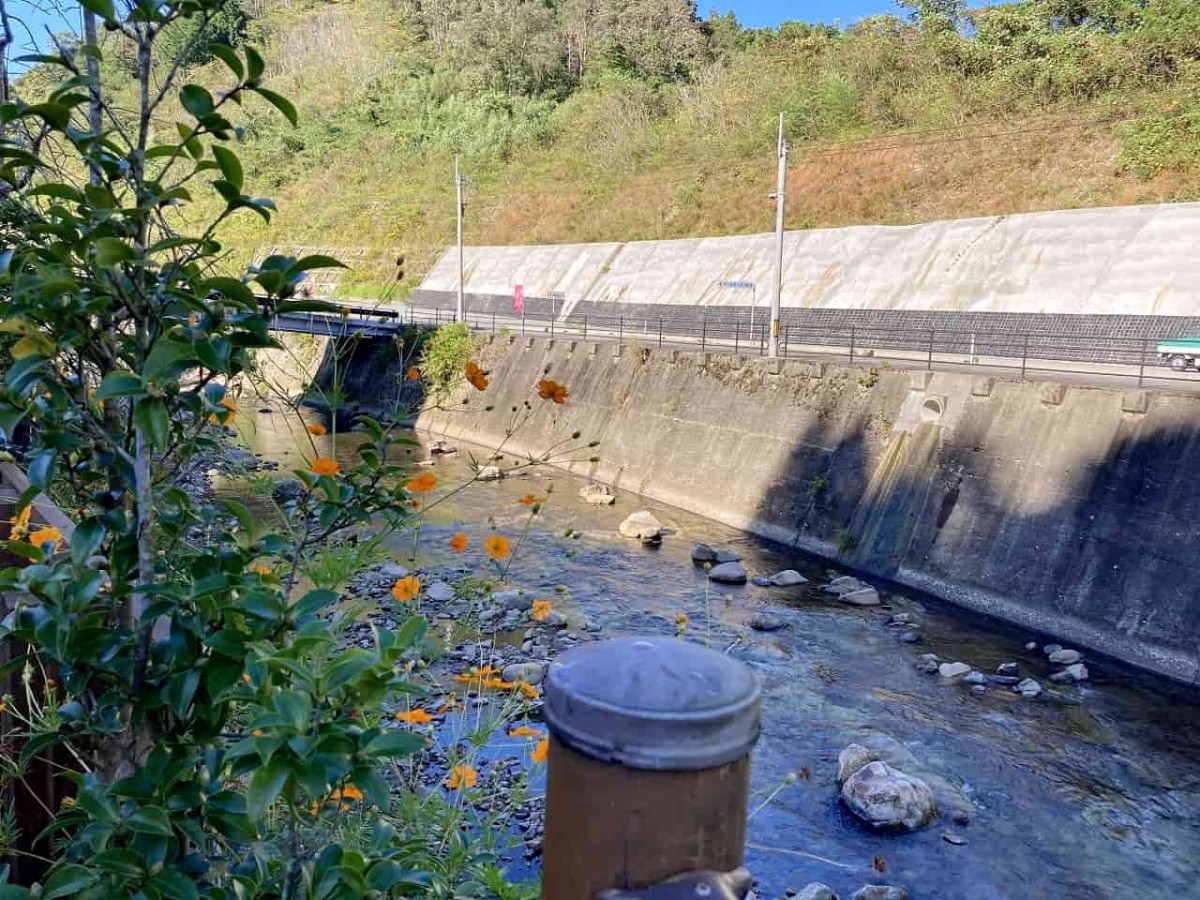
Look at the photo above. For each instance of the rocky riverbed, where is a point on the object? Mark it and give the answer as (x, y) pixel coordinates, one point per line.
(1065, 782)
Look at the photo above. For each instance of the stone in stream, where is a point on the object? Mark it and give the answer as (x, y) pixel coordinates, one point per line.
(910, 637)
(597, 494)
(928, 663)
(641, 526)
(953, 670)
(1008, 669)
(766, 622)
(880, 892)
(816, 891)
(287, 489)
(787, 578)
(1032, 645)
(1065, 657)
(852, 758)
(518, 600)
(702, 553)
(885, 797)
(489, 473)
(864, 596)
(760, 581)
(394, 571)
(1006, 679)
(727, 556)
(956, 839)
(844, 584)
(440, 592)
(975, 677)
(531, 673)
(1050, 649)
(1073, 672)
(441, 448)
(1028, 687)
(728, 573)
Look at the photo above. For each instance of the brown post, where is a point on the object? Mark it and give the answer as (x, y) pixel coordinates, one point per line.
(649, 769)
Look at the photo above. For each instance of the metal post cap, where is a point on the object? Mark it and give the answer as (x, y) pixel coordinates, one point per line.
(653, 703)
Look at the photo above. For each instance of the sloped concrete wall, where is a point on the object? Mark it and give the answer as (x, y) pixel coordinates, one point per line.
(1137, 260)
(1067, 510)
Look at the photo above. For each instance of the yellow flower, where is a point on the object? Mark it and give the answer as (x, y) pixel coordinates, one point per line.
(528, 690)
(257, 732)
(476, 377)
(406, 588)
(46, 535)
(231, 409)
(681, 621)
(263, 570)
(324, 466)
(415, 717)
(20, 523)
(552, 390)
(413, 374)
(422, 484)
(316, 428)
(528, 500)
(541, 610)
(524, 731)
(462, 777)
(246, 677)
(497, 547)
(3, 707)
(459, 542)
(541, 751)
(349, 792)
(67, 803)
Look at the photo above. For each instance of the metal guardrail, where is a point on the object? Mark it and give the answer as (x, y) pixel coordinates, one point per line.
(1025, 352)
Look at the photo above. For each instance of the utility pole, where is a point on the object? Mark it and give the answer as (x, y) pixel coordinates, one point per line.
(461, 313)
(95, 112)
(777, 281)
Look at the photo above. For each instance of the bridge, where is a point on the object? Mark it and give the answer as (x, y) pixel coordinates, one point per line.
(1100, 359)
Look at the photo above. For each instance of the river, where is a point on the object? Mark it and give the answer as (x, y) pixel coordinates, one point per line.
(1088, 791)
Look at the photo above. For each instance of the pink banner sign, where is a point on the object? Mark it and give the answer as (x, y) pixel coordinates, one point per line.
(519, 299)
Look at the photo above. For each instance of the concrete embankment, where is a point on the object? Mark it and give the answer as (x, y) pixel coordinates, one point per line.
(1063, 509)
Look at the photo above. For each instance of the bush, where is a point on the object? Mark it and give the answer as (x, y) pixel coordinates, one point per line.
(444, 357)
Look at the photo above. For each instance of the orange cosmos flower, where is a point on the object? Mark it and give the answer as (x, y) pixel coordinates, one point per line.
(422, 484)
(324, 466)
(541, 610)
(413, 373)
(528, 500)
(497, 547)
(462, 777)
(541, 751)
(20, 523)
(528, 690)
(459, 542)
(316, 428)
(552, 390)
(230, 410)
(349, 792)
(406, 588)
(47, 535)
(246, 677)
(263, 570)
(476, 377)
(524, 731)
(681, 621)
(415, 717)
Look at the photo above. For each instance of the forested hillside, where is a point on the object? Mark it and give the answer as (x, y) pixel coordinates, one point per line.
(623, 119)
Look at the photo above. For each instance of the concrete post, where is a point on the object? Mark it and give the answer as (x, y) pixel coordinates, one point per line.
(649, 768)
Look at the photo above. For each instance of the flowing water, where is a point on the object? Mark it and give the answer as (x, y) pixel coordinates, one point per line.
(1084, 792)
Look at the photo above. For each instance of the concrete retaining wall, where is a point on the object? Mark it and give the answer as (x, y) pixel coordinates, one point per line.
(1137, 260)
(1064, 509)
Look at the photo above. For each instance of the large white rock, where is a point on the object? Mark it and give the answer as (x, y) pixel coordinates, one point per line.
(884, 797)
(641, 526)
(864, 596)
(953, 670)
(787, 578)
(817, 891)
(598, 494)
(852, 758)
(728, 573)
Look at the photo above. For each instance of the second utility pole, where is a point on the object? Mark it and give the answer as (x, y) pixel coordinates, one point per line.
(777, 281)
(461, 314)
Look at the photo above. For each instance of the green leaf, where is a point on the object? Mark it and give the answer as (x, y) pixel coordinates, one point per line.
(66, 880)
(227, 56)
(150, 820)
(58, 191)
(175, 885)
(315, 261)
(120, 384)
(196, 100)
(240, 512)
(85, 540)
(112, 251)
(179, 690)
(150, 415)
(231, 166)
(394, 743)
(237, 291)
(280, 103)
(40, 469)
(312, 602)
(121, 862)
(265, 787)
(102, 8)
(254, 63)
(34, 343)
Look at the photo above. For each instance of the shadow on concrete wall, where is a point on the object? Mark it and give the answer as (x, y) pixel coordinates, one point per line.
(369, 375)
(1110, 558)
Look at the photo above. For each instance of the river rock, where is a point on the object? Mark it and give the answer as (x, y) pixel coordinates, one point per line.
(394, 571)
(852, 758)
(884, 797)
(441, 448)
(787, 578)
(1028, 688)
(641, 526)
(1074, 672)
(928, 663)
(489, 473)
(910, 637)
(1031, 645)
(865, 596)
(900, 620)
(597, 494)
(1066, 657)
(728, 573)
(953, 670)
(530, 672)
(766, 622)
(1008, 680)
(1051, 649)
(287, 489)
(726, 556)
(440, 592)
(975, 677)
(844, 585)
(760, 581)
(1008, 669)
(880, 892)
(518, 600)
(816, 891)
(702, 553)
